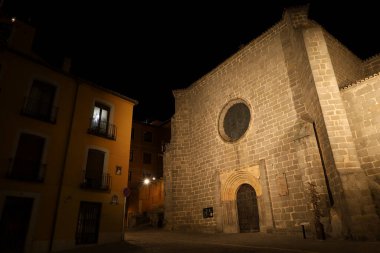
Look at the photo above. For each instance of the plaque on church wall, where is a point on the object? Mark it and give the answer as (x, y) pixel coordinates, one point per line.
(208, 212)
(282, 185)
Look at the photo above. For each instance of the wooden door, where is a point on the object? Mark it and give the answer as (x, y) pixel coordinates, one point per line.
(248, 211)
(94, 167)
(14, 224)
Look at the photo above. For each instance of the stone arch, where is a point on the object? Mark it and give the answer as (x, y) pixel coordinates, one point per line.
(233, 182)
(230, 183)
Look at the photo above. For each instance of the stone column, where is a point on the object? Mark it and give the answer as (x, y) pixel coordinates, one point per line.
(267, 222)
(357, 208)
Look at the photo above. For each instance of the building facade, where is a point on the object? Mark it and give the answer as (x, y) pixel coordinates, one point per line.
(282, 135)
(64, 152)
(146, 201)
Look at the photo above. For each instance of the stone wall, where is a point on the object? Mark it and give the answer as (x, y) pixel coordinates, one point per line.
(353, 203)
(177, 173)
(362, 103)
(298, 134)
(258, 75)
(310, 166)
(347, 66)
(372, 65)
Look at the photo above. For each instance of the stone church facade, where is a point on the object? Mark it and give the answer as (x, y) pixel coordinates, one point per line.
(284, 134)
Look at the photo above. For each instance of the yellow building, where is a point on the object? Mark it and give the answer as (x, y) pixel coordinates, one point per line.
(64, 152)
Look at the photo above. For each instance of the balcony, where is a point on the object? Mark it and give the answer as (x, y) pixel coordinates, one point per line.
(39, 109)
(102, 129)
(26, 170)
(96, 183)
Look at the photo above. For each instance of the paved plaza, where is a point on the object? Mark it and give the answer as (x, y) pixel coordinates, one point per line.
(161, 241)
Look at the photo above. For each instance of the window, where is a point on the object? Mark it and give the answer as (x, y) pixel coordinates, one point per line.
(100, 122)
(39, 103)
(88, 223)
(131, 155)
(234, 120)
(94, 178)
(26, 165)
(100, 117)
(148, 136)
(147, 158)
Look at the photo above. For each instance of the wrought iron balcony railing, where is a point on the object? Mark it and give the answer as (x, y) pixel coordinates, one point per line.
(103, 129)
(26, 170)
(38, 109)
(97, 183)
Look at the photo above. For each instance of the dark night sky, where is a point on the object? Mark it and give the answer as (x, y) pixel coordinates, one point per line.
(146, 49)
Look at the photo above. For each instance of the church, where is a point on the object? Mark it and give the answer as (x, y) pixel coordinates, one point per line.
(282, 137)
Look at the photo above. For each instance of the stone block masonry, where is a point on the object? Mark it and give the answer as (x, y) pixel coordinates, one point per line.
(279, 99)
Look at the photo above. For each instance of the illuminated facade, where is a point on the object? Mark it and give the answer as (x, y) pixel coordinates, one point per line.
(282, 135)
(64, 152)
(146, 202)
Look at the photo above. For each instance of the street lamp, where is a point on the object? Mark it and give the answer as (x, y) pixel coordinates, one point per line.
(146, 181)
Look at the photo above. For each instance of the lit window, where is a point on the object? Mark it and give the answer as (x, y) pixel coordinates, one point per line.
(100, 117)
(99, 122)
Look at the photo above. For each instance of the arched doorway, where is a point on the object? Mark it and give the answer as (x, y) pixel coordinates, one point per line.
(248, 212)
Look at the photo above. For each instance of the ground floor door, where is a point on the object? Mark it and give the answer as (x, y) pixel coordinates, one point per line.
(14, 223)
(88, 223)
(248, 212)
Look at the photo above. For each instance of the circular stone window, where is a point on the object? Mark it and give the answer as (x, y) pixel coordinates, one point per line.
(234, 120)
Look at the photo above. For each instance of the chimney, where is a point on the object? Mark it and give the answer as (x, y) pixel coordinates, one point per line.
(298, 15)
(66, 66)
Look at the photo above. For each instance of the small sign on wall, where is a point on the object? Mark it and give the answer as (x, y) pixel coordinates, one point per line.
(118, 170)
(282, 185)
(208, 212)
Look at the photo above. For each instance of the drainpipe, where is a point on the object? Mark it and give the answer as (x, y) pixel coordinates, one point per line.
(123, 228)
(63, 169)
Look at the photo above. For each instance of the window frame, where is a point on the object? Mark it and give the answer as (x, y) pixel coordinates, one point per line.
(40, 100)
(40, 176)
(99, 127)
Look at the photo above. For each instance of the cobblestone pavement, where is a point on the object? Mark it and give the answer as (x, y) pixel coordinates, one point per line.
(161, 241)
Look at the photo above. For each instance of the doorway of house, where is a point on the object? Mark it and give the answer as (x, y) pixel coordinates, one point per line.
(14, 223)
(248, 211)
(88, 222)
